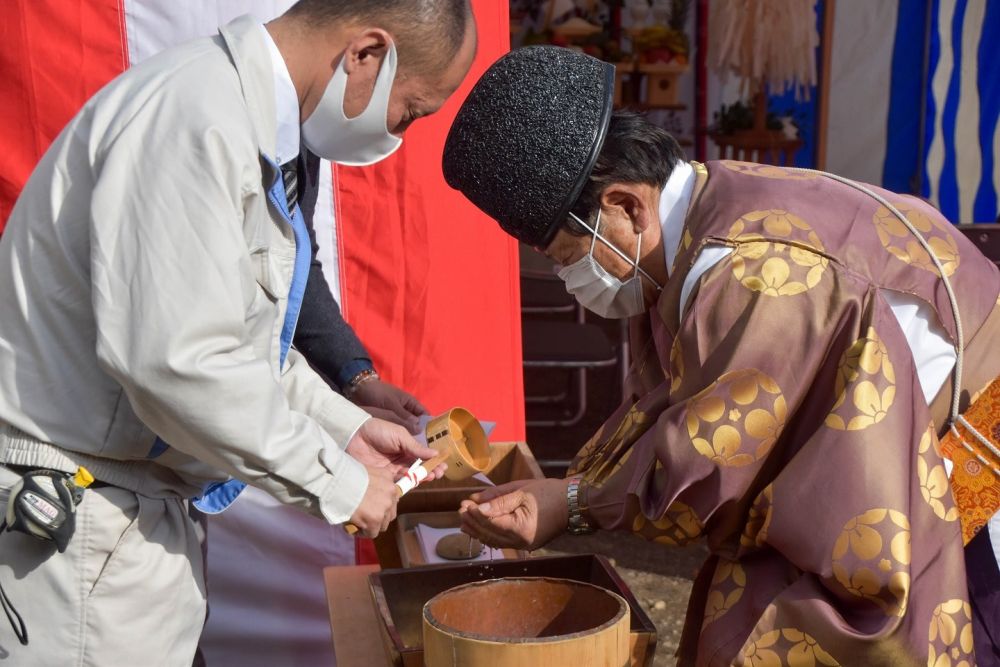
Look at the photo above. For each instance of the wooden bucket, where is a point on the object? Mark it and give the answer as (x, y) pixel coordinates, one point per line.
(526, 621)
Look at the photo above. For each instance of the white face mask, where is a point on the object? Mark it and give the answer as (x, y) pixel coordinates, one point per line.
(357, 141)
(600, 292)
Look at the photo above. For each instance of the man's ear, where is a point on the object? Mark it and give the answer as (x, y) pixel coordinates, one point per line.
(629, 198)
(366, 50)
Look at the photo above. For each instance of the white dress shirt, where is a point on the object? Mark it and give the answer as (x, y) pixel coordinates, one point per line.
(286, 102)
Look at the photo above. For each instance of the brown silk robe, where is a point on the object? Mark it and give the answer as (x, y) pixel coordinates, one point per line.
(782, 420)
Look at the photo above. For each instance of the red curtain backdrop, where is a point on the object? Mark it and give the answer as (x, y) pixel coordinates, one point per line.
(55, 55)
(430, 283)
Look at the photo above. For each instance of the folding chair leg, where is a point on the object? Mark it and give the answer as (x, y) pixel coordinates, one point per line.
(581, 407)
(624, 354)
(545, 400)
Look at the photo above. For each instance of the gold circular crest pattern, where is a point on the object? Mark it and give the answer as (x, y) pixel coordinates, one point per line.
(902, 245)
(871, 559)
(758, 520)
(766, 171)
(728, 584)
(678, 526)
(601, 457)
(738, 418)
(788, 268)
(866, 376)
(933, 478)
(950, 635)
(787, 647)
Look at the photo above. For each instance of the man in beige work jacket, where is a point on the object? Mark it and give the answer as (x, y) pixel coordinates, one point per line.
(151, 275)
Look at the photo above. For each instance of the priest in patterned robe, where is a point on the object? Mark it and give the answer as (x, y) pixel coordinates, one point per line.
(795, 349)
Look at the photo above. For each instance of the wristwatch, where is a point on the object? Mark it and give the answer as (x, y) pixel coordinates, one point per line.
(578, 524)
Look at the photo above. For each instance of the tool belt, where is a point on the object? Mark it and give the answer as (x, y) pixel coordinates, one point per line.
(42, 504)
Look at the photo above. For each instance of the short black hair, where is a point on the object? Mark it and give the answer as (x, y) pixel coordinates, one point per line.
(418, 26)
(634, 151)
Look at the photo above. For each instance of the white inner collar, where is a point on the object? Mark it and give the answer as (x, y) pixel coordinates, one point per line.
(286, 104)
(674, 202)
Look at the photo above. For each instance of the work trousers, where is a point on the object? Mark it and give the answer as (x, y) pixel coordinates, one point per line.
(129, 590)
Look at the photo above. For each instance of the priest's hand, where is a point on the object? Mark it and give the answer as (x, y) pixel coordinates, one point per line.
(380, 444)
(388, 402)
(519, 515)
(378, 506)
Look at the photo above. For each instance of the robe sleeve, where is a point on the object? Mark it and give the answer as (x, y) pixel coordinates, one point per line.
(698, 448)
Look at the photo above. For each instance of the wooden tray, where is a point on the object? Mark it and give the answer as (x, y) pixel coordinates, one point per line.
(509, 461)
(400, 595)
(410, 553)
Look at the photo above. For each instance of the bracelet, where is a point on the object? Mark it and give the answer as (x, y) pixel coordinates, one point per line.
(577, 525)
(359, 379)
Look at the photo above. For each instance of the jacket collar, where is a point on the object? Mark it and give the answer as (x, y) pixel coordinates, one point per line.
(250, 57)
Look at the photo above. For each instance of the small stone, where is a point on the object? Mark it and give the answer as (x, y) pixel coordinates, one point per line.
(458, 546)
(659, 605)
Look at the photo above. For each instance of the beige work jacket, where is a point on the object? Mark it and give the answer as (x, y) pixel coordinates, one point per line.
(144, 282)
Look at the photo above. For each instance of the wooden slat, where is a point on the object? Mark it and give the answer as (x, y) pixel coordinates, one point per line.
(823, 112)
(353, 622)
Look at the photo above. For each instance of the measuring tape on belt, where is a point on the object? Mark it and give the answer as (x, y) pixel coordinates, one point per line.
(42, 504)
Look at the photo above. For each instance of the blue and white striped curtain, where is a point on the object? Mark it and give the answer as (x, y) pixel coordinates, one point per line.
(876, 92)
(962, 125)
(902, 66)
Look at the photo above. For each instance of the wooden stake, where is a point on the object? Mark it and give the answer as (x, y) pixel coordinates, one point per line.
(823, 98)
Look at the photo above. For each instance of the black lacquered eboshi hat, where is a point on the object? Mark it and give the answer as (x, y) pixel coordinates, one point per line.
(526, 138)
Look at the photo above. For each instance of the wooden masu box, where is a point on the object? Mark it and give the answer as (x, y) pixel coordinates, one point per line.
(400, 595)
(509, 461)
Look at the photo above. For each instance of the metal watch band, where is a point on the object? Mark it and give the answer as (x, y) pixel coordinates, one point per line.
(577, 524)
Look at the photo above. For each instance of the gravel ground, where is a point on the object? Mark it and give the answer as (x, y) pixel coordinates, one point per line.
(660, 578)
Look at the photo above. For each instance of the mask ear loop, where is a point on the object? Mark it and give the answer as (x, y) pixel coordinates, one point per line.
(638, 254)
(633, 262)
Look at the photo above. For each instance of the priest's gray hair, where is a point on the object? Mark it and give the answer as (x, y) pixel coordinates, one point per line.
(634, 151)
(428, 33)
